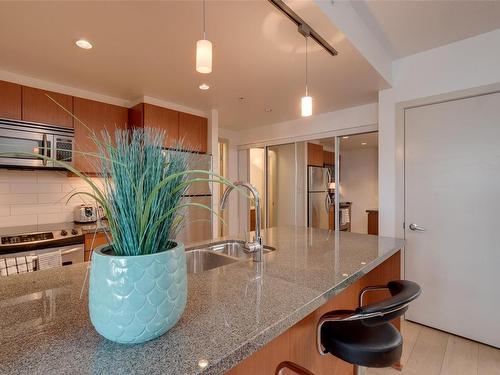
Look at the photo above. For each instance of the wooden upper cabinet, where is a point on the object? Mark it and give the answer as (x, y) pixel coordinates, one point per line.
(164, 119)
(136, 116)
(193, 132)
(190, 130)
(37, 107)
(96, 116)
(314, 154)
(10, 100)
(149, 115)
(328, 157)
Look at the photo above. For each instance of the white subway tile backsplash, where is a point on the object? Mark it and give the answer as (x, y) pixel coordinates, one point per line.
(51, 177)
(70, 206)
(15, 221)
(4, 210)
(18, 198)
(7, 175)
(39, 197)
(55, 218)
(4, 187)
(35, 188)
(30, 209)
(58, 198)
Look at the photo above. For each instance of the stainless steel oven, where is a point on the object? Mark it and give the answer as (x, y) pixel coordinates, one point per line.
(62, 245)
(21, 142)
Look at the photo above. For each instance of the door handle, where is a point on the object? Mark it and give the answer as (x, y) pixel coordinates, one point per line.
(416, 228)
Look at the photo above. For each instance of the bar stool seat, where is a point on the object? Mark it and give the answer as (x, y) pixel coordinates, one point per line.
(362, 345)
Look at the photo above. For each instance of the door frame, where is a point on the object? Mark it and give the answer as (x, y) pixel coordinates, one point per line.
(401, 107)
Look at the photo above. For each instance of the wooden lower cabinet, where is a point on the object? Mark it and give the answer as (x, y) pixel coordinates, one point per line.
(91, 243)
(372, 222)
(298, 344)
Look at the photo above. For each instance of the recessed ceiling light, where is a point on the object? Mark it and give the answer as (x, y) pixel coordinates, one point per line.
(204, 86)
(85, 44)
(345, 137)
(268, 110)
(363, 143)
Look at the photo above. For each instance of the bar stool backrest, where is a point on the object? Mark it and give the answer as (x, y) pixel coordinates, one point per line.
(402, 293)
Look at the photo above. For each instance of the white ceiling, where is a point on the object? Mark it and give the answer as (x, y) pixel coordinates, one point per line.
(147, 49)
(409, 27)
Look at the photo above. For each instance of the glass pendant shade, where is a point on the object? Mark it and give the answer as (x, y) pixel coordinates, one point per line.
(204, 56)
(306, 106)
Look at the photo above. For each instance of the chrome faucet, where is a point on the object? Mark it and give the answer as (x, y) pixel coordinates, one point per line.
(254, 247)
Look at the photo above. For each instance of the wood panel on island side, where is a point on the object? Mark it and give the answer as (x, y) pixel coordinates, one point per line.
(298, 344)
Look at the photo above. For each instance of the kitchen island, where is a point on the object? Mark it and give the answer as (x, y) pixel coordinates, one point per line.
(234, 316)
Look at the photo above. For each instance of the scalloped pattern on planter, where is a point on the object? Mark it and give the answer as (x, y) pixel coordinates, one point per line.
(133, 299)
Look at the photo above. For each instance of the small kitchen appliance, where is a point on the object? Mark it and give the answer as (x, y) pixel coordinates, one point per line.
(85, 213)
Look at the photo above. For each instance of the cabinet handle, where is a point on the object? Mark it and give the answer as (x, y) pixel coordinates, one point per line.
(44, 149)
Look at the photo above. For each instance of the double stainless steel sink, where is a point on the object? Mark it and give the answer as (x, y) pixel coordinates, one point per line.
(217, 254)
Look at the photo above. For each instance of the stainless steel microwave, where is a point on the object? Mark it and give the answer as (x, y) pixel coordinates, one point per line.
(21, 142)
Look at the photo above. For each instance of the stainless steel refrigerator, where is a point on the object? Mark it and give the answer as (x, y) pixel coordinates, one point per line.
(198, 221)
(318, 199)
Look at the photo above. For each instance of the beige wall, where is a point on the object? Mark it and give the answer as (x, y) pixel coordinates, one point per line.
(439, 71)
(359, 184)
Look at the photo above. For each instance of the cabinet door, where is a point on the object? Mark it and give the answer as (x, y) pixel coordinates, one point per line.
(328, 157)
(10, 100)
(91, 243)
(136, 116)
(37, 107)
(193, 132)
(164, 119)
(314, 154)
(97, 116)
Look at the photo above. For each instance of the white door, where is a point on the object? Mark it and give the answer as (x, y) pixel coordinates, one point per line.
(452, 183)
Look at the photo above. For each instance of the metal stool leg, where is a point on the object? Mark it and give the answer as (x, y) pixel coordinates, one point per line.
(359, 370)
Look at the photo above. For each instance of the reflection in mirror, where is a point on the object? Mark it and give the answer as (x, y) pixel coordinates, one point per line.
(257, 179)
(281, 185)
(358, 185)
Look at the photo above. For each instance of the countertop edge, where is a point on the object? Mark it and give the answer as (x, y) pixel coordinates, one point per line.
(265, 337)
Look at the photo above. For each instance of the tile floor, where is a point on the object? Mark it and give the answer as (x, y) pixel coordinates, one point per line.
(431, 352)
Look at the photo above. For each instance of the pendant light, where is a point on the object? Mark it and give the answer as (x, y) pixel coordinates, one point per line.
(204, 51)
(306, 101)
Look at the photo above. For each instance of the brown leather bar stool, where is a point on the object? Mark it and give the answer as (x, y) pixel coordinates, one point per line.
(293, 367)
(364, 337)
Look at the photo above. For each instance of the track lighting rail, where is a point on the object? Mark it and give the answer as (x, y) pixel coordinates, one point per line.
(303, 26)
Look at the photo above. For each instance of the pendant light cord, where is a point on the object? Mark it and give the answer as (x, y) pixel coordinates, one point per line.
(306, 68)
(204, 26)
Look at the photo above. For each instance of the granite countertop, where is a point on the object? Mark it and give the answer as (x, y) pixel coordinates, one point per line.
(232, 311)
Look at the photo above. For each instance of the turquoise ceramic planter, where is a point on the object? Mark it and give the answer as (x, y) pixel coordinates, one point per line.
(133, 299)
